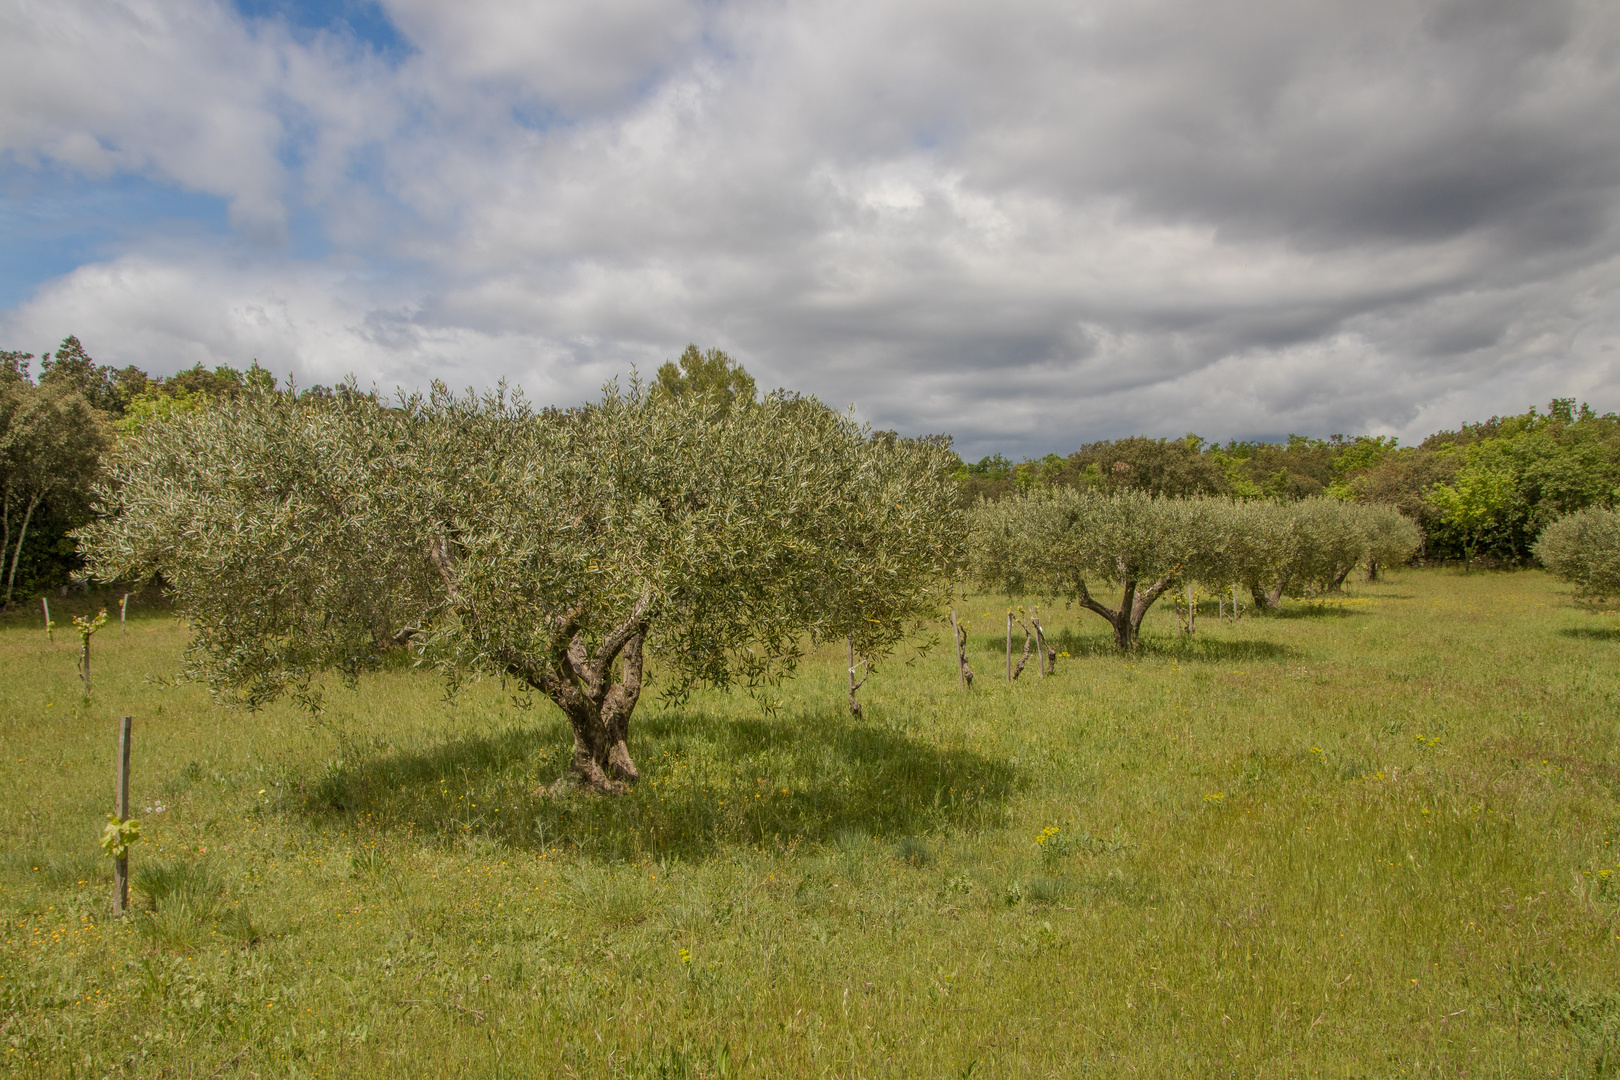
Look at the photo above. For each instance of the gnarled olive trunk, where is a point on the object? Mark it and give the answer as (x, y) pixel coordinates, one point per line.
(1133, 606)
(598, 711)
(1269, 600)
(580, 682)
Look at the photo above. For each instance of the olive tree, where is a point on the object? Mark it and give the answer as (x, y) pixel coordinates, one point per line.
(1332, 540)
(1583, 548)
(1071, 543)
(1289, 549)
(1392, 537)
(558, 549)
(1258, 548)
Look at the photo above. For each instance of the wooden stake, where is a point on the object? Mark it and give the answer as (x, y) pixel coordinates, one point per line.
(956, 642)
(121, 864)
(123, 610)
(48, 635)
(1009, 646)
(1192, 611)
(1040, 646)
(1048, 652)
(963, 671)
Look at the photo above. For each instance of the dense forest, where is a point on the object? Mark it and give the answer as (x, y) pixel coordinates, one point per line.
(1483, 491)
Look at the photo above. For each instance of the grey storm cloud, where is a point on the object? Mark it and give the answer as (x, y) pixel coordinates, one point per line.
(1028, 224)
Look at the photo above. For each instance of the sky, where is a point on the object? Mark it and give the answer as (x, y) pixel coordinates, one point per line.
(1027, 224)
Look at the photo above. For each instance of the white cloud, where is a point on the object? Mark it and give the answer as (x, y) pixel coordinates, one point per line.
(1030, 224)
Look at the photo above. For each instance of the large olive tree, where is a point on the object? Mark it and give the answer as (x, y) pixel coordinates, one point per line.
(560, 549)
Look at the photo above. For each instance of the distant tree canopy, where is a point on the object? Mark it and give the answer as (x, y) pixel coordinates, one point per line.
(53, 432)
(51, 440)
(710, 374)
(1485, 490)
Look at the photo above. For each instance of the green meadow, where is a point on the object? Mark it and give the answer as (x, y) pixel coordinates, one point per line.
(1377, 836)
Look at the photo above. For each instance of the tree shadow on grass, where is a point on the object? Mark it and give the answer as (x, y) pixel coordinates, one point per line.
(1310, 609)
(1592, 633)
(1199, 648)
(707, 782)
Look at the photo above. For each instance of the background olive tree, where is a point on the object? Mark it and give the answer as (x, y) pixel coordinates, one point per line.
(560, 549)
(1075, 543)
(1392, 538)
(1583, 548)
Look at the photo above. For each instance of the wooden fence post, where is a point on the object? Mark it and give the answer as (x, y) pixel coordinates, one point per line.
(956, 650)
(121, 863)
(1040, 645)
(123, 610)
(1009, 646)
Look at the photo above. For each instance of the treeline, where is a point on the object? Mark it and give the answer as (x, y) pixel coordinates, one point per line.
(1484, 490)
(56, 424)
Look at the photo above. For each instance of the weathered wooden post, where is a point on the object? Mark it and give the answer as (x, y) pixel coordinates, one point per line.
(1009, 646)
(121, 859)
(964, 673)
(1192, 611)
(1040, 645)
(123, 610)
(1048, 652)
(956, 640)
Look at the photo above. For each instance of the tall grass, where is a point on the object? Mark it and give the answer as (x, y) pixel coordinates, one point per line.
(1372, 837)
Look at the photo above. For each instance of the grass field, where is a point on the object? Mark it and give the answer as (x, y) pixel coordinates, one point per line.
(1377, 837)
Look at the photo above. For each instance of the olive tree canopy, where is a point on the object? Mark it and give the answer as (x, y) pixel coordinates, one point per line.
(1073, 543)
(1583, 548)
(1392, 537)
(556, 548)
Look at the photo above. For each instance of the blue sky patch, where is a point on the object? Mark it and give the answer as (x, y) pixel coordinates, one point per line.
(362, 18)
(55, 220)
